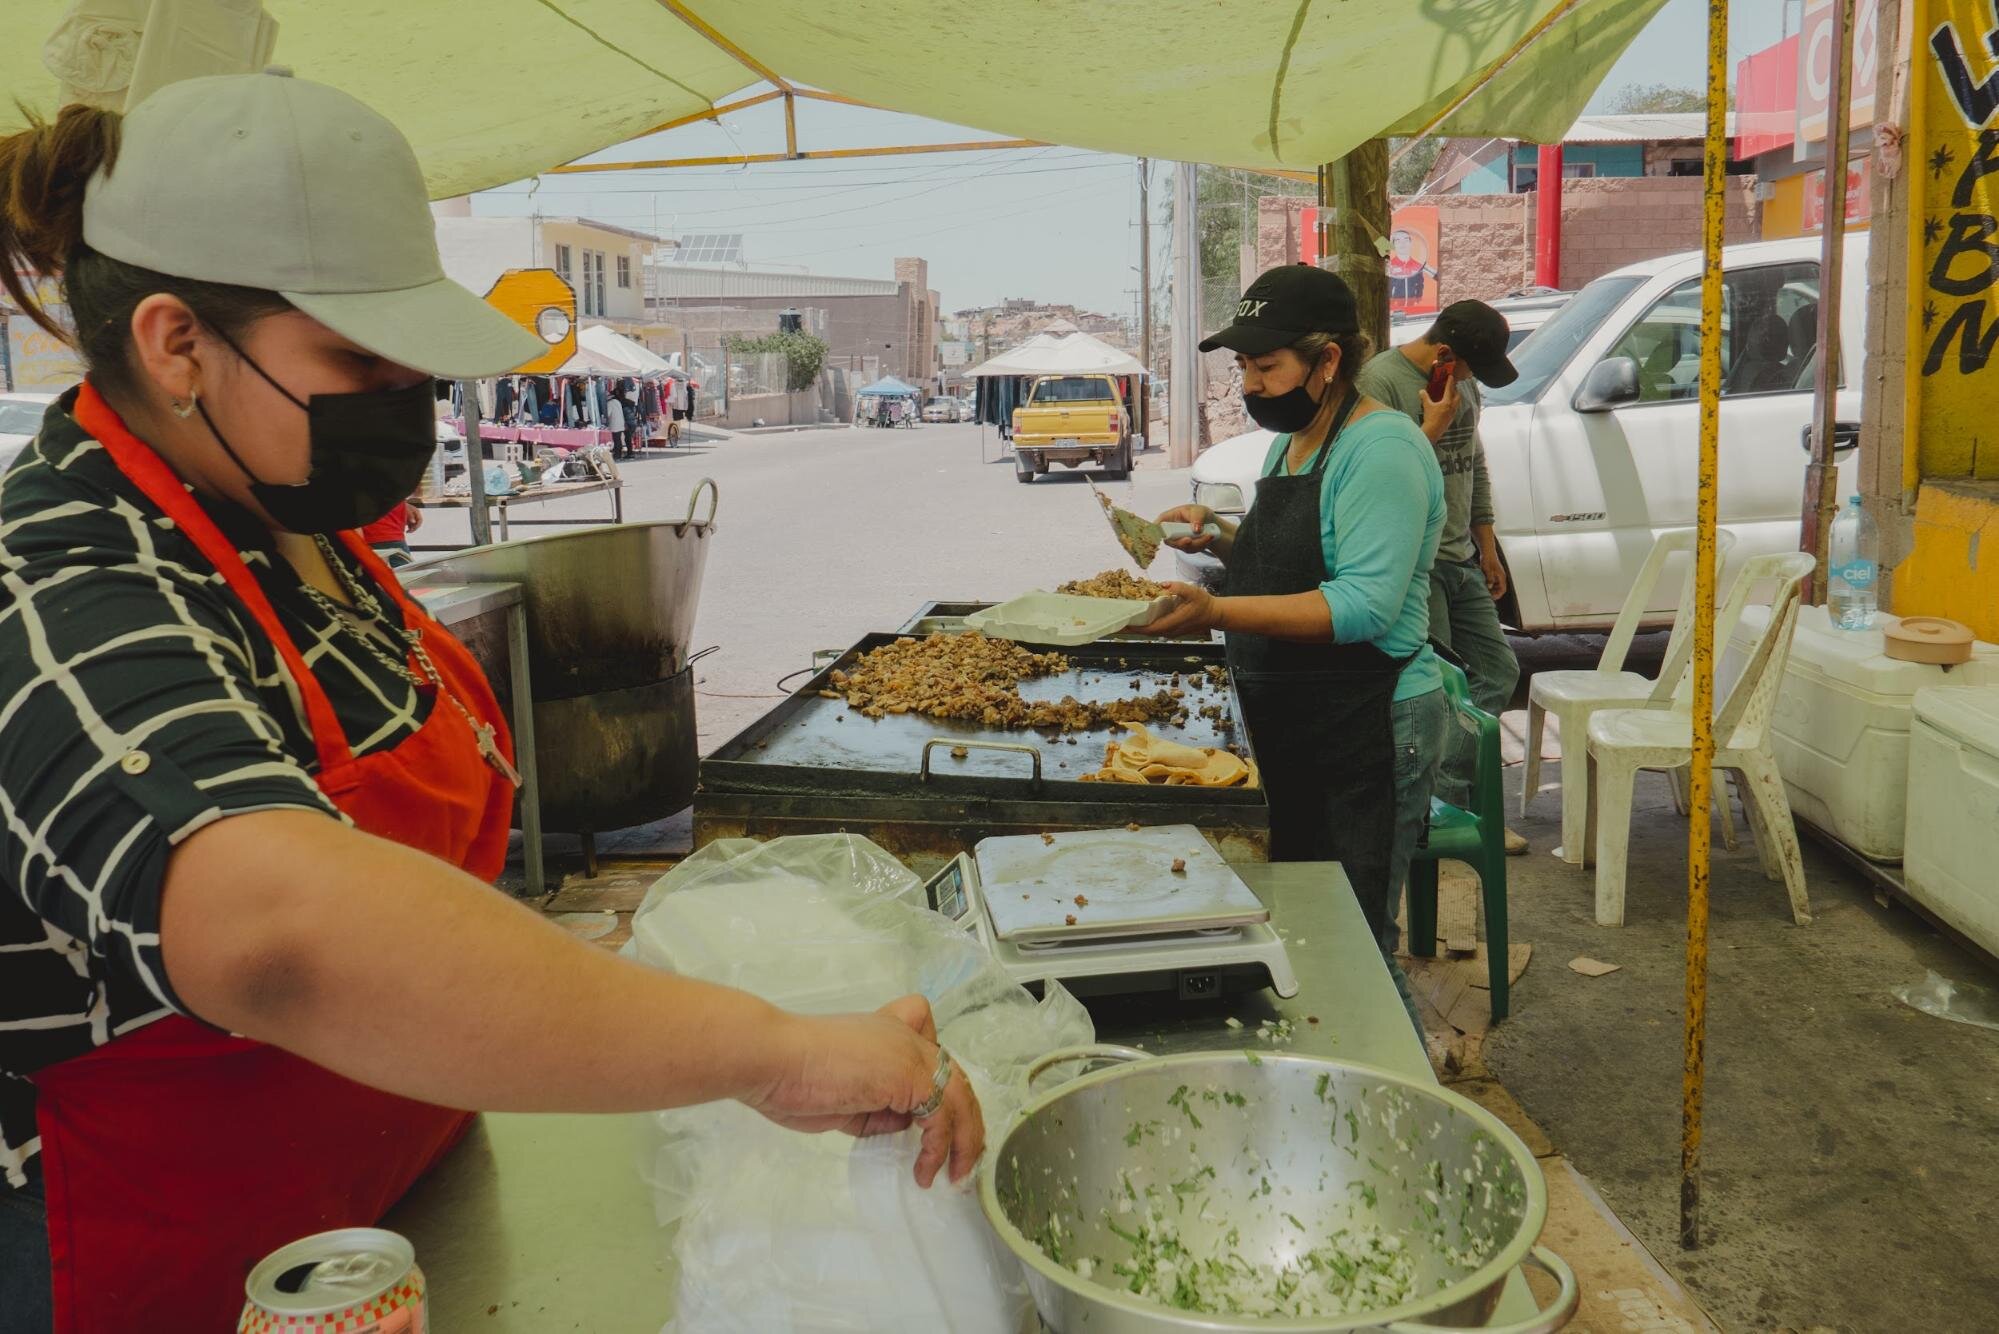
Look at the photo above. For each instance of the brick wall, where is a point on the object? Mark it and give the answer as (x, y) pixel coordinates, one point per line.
(1487, 241)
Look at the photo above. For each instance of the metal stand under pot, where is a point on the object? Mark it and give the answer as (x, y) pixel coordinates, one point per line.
(609, 614)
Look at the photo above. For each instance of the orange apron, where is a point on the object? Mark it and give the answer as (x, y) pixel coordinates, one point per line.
(177, 1156)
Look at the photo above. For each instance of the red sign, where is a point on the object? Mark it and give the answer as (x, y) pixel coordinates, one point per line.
(1859, 180)
(1815, 57)
(1766, 99)
(1414, 242)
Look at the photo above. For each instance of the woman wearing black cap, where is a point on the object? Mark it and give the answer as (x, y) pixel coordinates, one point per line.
(1327, 607)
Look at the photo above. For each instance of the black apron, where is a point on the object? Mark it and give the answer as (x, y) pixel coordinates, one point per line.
(1318, 715)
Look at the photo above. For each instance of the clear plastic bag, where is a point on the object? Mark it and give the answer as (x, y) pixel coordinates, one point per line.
(1960, 1002)
(822, 1234)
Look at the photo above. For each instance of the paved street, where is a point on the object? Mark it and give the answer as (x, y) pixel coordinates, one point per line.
(825, 535)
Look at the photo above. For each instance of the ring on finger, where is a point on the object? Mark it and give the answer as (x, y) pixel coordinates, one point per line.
(939, 1081)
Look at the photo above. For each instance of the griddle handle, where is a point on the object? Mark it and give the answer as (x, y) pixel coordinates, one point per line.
(1033, 752)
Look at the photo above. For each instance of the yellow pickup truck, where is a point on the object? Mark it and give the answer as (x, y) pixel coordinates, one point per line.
(1071, 420)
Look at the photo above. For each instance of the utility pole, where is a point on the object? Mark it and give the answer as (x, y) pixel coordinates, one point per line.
(1822, 474)
(1183, 432)
(1145, 261)
(1353, 215)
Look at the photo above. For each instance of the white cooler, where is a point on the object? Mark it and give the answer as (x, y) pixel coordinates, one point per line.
(1841, 727)
(1951, 865)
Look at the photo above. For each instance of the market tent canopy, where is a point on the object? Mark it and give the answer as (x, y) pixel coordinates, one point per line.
(1271, 86)
(595, 361)
(1007, 362)
(642, 359)
(888, 388)
(1077, 354)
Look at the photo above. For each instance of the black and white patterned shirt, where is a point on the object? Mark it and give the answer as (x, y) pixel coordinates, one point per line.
(118, 639)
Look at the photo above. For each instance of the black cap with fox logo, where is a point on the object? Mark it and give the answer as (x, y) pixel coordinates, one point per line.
(1284, 305)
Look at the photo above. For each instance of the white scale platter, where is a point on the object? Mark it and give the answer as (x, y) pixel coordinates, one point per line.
(1141, 927)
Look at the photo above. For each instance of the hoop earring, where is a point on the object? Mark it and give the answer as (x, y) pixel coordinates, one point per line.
(185, 410)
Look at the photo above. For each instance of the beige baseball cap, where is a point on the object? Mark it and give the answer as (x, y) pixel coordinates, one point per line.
(282, 184)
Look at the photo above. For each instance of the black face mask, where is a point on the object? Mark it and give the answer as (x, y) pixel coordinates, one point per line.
(1286, 413)
(368, 452)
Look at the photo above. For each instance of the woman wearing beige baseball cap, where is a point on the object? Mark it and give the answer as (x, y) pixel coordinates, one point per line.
(251, 798)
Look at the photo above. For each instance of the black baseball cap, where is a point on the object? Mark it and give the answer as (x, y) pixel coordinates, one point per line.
(1478, 334)
(1284, 305)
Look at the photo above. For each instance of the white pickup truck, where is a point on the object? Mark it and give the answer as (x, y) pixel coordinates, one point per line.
(1592, 451)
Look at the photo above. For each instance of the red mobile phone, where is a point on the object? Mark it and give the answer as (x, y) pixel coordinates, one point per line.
(1440, 374)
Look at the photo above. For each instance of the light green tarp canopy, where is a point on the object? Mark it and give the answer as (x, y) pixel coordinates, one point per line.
(491, 91)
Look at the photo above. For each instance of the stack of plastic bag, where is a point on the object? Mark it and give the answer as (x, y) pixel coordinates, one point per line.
(821, 1234)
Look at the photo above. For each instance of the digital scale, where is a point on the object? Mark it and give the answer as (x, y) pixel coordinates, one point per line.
(1104, 912)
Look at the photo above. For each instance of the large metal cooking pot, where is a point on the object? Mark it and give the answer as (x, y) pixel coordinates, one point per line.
(609, 611)
(608, 607)
(1260, 1164)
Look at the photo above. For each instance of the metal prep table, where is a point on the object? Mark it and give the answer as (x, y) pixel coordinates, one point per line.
(454, 604)
(528, 496)
(544, 1221)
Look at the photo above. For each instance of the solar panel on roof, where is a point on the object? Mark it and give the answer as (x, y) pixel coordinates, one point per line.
(710, 248)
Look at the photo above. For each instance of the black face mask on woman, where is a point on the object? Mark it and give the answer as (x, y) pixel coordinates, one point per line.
(368, 452)
(1285, 413)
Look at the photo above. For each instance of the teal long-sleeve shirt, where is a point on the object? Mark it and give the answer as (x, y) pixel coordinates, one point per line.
(1381, 513)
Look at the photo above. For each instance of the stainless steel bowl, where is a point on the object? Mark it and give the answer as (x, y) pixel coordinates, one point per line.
(1265, 1164)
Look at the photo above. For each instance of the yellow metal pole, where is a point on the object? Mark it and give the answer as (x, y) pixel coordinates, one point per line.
(809, 155)
(736, 53)
(1912, 198)
(1693, 1075)
(1527, 39)
(715, 112)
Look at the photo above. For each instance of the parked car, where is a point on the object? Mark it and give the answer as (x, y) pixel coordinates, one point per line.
(1524, 314)
(20, 422)
(1592, 451)
(941, 410)
(968, 409)
(1071, 420)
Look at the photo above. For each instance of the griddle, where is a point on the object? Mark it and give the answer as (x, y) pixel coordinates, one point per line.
(812, 764)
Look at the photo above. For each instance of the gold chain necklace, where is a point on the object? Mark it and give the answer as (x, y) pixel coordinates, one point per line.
(411, 640)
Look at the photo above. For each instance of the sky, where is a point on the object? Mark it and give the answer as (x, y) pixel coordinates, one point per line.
(1054, 224)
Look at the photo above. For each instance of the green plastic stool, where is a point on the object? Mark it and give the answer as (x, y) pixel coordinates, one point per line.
(1476, 837)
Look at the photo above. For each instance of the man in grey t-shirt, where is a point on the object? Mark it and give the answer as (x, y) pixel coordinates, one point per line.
(1468, 576)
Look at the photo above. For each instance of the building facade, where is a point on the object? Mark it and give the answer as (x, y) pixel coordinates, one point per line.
(892, 323)
(605, 264)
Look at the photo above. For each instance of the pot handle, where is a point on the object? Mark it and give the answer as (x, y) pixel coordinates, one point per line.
(694, 498)
(1108, 1052)
(1549, 1319)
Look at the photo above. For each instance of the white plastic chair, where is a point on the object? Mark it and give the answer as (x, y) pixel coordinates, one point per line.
(1572, 696)
(1623, 741)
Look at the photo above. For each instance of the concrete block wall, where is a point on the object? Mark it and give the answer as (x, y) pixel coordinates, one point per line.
(1487, 241)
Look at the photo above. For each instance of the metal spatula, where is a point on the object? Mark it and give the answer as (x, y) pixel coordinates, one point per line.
(1141, 538)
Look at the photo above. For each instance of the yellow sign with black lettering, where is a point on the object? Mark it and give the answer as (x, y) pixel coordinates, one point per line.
(1956, 186)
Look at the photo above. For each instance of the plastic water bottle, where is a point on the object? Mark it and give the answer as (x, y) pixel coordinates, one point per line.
(1852, 568)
